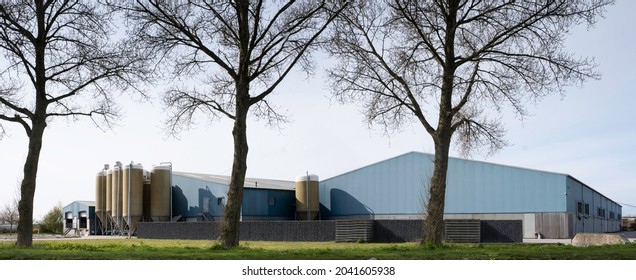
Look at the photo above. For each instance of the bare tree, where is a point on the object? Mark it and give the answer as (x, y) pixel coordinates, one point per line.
(452, 65)
(9, 214)
(237, 53)
(60, 62)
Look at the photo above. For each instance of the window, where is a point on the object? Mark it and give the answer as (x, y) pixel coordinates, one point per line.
(271, 200)
(220, 200)
(612, 215)
(601, 212)
(587, 209)
(579, 207)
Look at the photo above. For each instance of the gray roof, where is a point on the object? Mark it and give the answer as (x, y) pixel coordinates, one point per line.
(257, 183)
(83, 202)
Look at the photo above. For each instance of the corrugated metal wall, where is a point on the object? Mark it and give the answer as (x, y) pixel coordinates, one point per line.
(79, 206)
(592, 220)
(268, 204)
(194, 197)
(75, 208)
(397, 187)
(479, 187)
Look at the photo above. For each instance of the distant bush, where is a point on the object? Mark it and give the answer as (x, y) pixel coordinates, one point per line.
(52, 221)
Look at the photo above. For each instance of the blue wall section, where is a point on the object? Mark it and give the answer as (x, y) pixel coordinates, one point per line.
(256, 203)
(79, 206)
(480, 187)
(397, 187)
(592, 221)
(193, 197)
(391, 187)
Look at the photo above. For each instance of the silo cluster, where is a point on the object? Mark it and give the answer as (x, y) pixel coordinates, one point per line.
(127, 194)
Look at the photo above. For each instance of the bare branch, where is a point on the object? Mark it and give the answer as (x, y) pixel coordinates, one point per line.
(292, 59)
(503, 54)
(192, 38)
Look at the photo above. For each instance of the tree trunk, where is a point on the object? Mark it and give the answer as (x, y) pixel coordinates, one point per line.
(434, 225)
(230, 228)
(27, 188)
(232, 215)
(35, 134)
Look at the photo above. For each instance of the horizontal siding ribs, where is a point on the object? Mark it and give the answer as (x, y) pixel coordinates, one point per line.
(354, 230)
(462, 231)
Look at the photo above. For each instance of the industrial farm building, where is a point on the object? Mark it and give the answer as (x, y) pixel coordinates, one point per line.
(549, 204)
(79, 219)
(386, 199)
(202, 197)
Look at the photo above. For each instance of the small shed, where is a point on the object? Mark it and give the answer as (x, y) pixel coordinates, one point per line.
(79, 219)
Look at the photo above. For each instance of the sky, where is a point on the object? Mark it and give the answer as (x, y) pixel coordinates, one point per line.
(589, 133)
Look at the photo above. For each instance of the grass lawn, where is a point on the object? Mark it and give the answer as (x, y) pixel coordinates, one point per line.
(149, 249)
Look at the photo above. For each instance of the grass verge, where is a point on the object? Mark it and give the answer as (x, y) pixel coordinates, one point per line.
(148, 249)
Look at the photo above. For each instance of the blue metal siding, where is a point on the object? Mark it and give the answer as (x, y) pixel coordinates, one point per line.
(256, 203)
(479, 187)
(377, 189)
(190, 197)
(398, 186)
(592, 222)
(76, 207)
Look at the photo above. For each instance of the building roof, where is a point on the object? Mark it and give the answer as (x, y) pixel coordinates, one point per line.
(432, 158)
(252, 183)
(83, 202)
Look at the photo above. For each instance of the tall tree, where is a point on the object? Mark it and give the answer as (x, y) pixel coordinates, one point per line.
(237, 53)
(452, 65)
(60, 63)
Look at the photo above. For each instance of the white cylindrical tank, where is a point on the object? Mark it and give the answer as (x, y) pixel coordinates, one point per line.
(160, 190)
(307, 199)
(133, 191)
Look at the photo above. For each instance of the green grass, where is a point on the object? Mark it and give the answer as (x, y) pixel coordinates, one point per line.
(148, 249)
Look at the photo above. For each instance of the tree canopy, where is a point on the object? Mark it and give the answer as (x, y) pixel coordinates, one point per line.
(61, 61)
(452, 65)
(238, 52)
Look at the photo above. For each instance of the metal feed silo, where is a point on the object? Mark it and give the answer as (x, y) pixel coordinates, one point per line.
(100, 196)
(117, 199)
(132, 188)
(307, 199)
(109, 195)
(160, 191)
